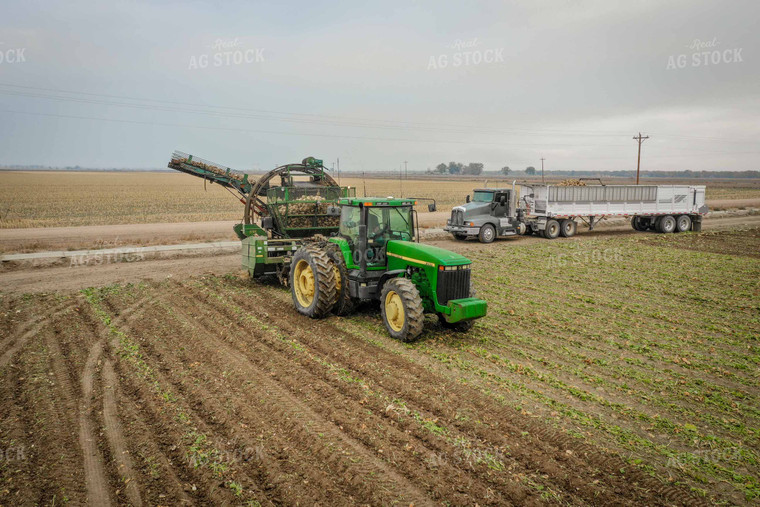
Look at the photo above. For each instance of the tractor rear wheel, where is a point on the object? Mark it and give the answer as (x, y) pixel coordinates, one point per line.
(344, 303)
(312, 282)
(401, 307)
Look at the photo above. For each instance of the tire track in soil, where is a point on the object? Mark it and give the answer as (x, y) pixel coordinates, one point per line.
(115, 434)
(291, 413)
(550, 444)
(115, 430)
(94, 469)
(315, 377)
(43, 407)
(96, 476)
(157, 417)
(33, 327)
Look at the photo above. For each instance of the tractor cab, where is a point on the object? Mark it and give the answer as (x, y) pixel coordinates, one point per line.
(369, 224)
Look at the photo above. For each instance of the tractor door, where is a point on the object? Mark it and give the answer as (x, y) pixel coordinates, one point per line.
(384, 224)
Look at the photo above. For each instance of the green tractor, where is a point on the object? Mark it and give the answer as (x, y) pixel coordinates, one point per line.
(373, 256)
(335, 250)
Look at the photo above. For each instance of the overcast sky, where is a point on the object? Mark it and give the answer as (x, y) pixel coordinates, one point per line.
(252, 85)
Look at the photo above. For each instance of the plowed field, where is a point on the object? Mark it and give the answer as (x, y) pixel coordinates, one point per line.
(598, 378)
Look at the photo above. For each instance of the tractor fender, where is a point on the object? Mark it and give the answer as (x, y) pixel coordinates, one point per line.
(387, 276)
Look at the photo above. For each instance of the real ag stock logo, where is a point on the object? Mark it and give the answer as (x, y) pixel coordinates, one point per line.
(704, 54)
(226, 53)
(466, 53)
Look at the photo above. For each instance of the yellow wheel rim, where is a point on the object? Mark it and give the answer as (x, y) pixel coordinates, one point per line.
(394, 311)
(303, 283)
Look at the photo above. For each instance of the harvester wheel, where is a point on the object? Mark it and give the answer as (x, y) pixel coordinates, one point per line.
(344, 304)
(312, 282)
(401, 307)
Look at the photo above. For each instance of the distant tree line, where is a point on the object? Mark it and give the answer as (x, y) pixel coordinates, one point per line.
(473, 168)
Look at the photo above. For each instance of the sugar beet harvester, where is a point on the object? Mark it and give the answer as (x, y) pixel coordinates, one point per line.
(335, 250)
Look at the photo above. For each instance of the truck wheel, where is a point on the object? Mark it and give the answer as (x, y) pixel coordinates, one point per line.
(683, 223)
(638, 224)
(312, 282)
(344, 303)
(666, 224)
(460, 236)
(567, 228)
(487, 233)
(401, 307)
(552, 229)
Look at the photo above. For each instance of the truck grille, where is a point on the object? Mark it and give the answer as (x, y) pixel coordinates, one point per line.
(453, 284)
(457, 217)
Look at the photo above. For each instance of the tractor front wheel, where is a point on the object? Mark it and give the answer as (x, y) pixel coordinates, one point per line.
(401, 307)
(460, 327)
(312, 282)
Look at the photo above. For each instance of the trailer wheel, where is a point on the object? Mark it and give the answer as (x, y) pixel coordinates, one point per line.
(312, 282)
(568, 228)
(487, 233)
(401, 307)
(460, 236)
(552, 229)
(638, 224)
(666, 224)
(683, 223)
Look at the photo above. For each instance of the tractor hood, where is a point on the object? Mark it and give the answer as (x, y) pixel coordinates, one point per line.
(411, 253)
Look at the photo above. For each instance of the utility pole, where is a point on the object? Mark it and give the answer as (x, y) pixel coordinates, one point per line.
(406, 172)
(638, 163)
(338, 171)
(542, 170)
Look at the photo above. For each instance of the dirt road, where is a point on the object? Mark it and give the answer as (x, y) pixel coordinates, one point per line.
(31, 277)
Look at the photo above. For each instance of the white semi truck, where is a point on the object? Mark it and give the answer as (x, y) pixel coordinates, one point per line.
(552, 210)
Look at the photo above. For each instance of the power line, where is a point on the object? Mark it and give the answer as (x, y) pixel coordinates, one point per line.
(308, 118)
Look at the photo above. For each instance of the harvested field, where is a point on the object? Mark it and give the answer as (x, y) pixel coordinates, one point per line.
(213, 390)
(54, 199)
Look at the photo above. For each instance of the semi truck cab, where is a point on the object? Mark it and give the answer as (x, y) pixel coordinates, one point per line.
(490, 213)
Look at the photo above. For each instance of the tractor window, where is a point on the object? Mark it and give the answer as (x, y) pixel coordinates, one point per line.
(401, 223)
(350, 217)
(389, 223)
(482, 196)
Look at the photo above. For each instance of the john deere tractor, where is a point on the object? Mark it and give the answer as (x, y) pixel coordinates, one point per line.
(373, 256)
(335, 250)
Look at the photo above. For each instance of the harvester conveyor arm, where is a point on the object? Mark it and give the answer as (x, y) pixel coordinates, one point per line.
(212, 172)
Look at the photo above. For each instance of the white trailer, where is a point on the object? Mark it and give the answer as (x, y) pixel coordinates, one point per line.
(552, 210)
(665, 208)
